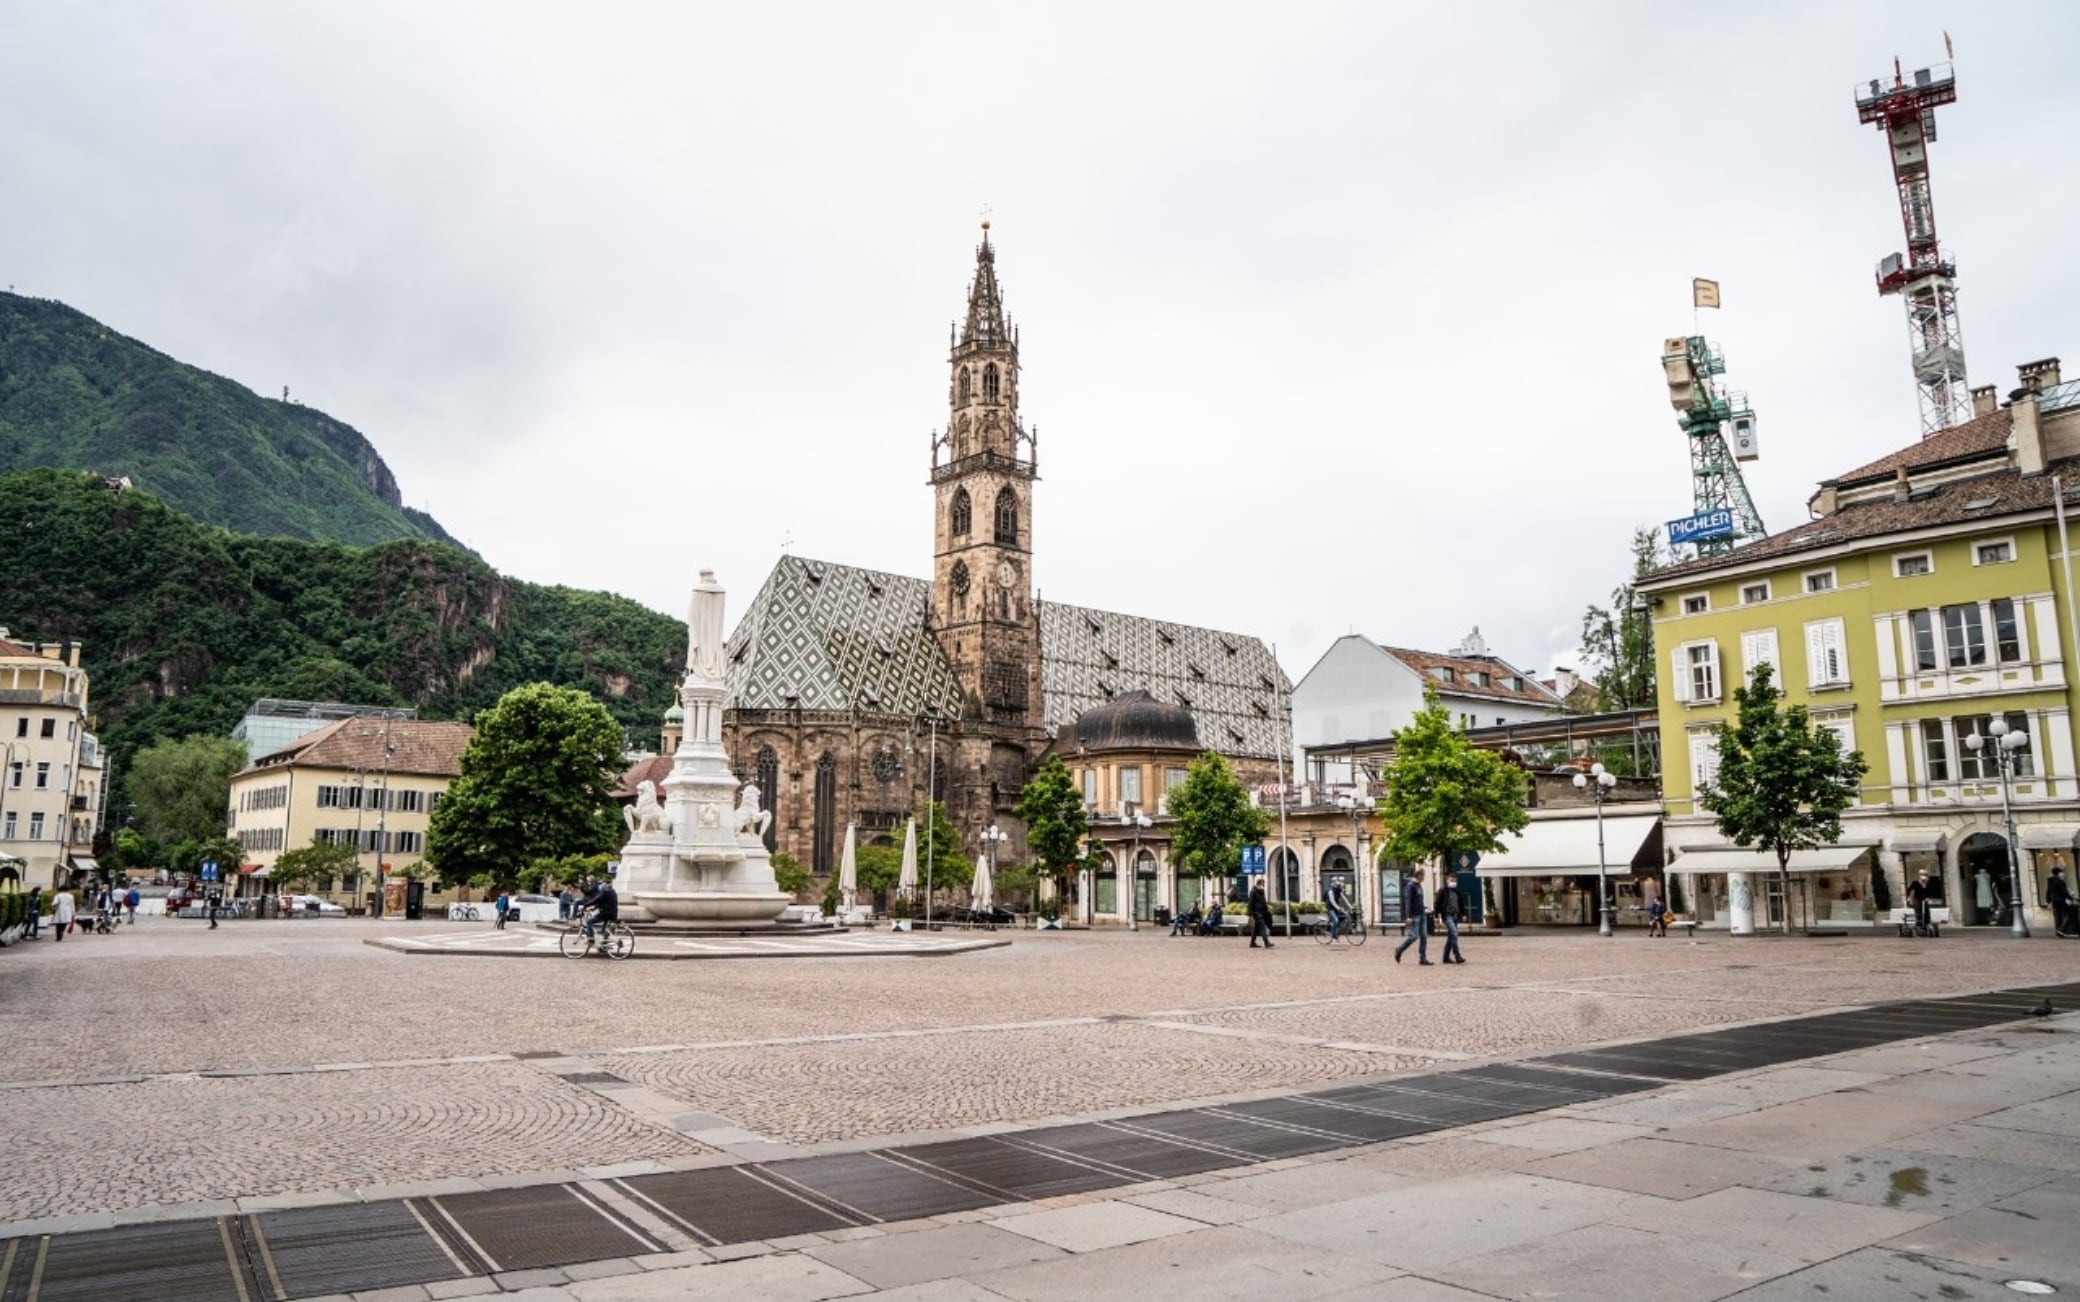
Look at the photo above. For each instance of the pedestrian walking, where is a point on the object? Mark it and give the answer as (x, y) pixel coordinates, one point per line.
(1448, 912)
(33, 910)
(1921, 893)
(1418, 920)
(504, 902)
(1657, 917)
(1259, 915)
(564, 900)
(61, 913)
(130, 899)
(2060, 897)
(214, 898)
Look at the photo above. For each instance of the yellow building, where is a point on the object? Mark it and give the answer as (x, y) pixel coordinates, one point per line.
(1930, 595)
(51, 767)
(367, 782)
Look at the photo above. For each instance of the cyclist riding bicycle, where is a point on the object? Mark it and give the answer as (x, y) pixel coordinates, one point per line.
(1339, 909)
(601, 904)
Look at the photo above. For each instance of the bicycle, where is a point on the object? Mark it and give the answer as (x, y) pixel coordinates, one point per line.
(462, 913)
(1351, 931)
(612, 939)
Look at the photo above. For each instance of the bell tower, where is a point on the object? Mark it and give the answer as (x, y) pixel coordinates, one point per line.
(983, 468)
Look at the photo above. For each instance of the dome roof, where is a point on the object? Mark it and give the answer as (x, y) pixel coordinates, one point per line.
(1134, 721)
(675, 714)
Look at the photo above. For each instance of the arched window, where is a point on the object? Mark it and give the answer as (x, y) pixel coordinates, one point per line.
(989, 382)
(963, 513)
(822, 854)
(1007, 516)
(769, 794)
(964, 384)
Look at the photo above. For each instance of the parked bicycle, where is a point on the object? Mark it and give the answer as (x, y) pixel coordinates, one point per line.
(462, 913)
(613, 939)
(1349, 931)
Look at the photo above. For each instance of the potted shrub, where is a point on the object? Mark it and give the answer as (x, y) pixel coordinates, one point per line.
(899, 914)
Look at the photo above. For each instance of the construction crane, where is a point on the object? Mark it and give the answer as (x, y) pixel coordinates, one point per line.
(1905, 111)
(1721, 432)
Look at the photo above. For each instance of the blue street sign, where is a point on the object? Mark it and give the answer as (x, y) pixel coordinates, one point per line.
(209, 870)
(1697, 528)
(1253, 861)
(1465, 861)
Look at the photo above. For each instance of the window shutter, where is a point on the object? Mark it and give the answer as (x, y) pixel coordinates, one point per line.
(1837, 655)
(1681, 676)
(1758, 648)
(1816, 654)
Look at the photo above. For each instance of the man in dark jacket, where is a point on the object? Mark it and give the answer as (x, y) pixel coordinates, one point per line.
(1448, 911)
(1259, 915)
(2060, 897)
(1418, 919)
(1920, 892)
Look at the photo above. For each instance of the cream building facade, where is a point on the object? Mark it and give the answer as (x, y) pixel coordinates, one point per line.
(51, 767)
(367, 782)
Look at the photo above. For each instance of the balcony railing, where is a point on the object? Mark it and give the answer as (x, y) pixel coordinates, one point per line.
(35, 696)
(975, 461)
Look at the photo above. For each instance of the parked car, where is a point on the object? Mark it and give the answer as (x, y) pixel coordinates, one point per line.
(311, 906)
(531, 908)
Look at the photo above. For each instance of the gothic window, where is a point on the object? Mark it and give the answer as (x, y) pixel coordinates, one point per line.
(963, 513)
(826, 825)
(989, 382)
(1007, 516)
(964, 383)
(769, 794)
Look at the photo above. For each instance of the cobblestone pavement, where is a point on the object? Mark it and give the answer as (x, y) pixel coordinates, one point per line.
(449, 1066)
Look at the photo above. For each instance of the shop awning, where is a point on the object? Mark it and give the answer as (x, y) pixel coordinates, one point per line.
(2047, 836)
(1825, 858)
(1917, 840)
(1567, 847)
(84, 864)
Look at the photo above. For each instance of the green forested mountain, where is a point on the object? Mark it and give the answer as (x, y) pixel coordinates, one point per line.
(75, 394)
(184, 625)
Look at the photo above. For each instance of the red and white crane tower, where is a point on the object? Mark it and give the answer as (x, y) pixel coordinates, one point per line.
(1906, 111)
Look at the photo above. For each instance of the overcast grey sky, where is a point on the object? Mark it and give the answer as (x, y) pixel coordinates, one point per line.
(1335, 317)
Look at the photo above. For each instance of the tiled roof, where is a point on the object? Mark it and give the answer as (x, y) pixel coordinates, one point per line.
(1981, 497)
(416, 746)
(824, 636)
(1975, 437)
(1529, 692)
(11, 649)
(655, 769)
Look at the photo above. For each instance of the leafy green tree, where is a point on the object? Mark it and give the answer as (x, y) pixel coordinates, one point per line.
(939, 857)
(549, 874)
(1444, 794)
(1782, 783)
(1051, 807)
(536, 783)
(789, 873)
(312, 866)
(880, 867)
(181, 789)
(129, 848)
(1214, 819)
(1618, 640)
(225, 852)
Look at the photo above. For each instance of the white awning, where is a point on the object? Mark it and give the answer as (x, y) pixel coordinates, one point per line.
(82, 863)
(1917, 840)
(1567, 847)
(1825, 858)
(2047, 836)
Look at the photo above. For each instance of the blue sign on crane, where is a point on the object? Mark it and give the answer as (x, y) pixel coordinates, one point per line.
(1697, 528)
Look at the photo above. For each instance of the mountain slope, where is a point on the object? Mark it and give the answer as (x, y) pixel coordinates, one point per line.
(77, 395)
(184, 625)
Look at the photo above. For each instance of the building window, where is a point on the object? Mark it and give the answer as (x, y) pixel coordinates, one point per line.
(1757, 649)
(1755, 593)
(21, 726)
(1964, 636)
(1935, 747)
(822, 850)
(1994, 553)
(14, 775)
(1820, 581)
(1090, 788)
(1442, 673)
(7, 829)
(1827, 661)
(963, 513)
(43, 776)
(50, 728)
(1924, 622)
(989, 382)
(1697, 603)
(967, 385)
(1700, 670)
(2007, 632)
(768, 769)
(1130, 787)
(1704, 760)
(36, 826)
(1007, 516)
(1912, 565)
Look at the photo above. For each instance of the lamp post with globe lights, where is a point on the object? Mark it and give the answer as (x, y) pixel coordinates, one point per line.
(2008, 745)
(1600, 781)
(1139, 820)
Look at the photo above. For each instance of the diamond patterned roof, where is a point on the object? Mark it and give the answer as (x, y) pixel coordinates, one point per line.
(834, 637)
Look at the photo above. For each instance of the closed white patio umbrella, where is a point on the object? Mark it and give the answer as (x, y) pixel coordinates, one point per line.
(848, 868)
(906, 882)
(983, 892)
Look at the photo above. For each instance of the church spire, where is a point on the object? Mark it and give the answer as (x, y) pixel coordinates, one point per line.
(985, 326)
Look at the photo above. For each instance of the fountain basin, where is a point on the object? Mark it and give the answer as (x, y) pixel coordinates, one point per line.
(734, 908)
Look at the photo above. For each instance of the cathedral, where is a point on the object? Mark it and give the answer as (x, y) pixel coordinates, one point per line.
(852, 692)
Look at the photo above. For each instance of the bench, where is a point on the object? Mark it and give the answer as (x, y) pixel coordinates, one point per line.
(1904, 920)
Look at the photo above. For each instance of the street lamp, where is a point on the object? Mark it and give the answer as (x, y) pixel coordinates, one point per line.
(1139, 820)
(992, 837)
(2008, 745)
(1601, 782)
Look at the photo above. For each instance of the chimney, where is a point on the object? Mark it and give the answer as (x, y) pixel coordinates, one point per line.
(1900, 487)
(1986, 399)
(2024, 429)
(2038, 376)
(1564, 681)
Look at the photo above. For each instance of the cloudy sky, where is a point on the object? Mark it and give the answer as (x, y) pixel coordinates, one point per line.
(1335, 317)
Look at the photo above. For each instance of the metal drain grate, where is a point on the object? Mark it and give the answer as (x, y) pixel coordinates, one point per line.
(730, 1204)
(880, 1189)
(352, 1248)
(179, 1261)
(540, 1225)
(593, 1078)
(1020, 1172)
(1145, 1155)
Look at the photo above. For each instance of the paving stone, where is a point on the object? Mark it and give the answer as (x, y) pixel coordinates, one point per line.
(899, 1259)
(2029, 1235)
(1803, 1229)
(450, 1288)
(1194, 1205)
(1998, 1144)
(1560, 1134)
(1097, 1225)
(1224, 1264)
(1891, 1273)
(1304, 1186)
(1934, 1184)
(1609, 1263)
(1655, 1166)
(513, 1281)
(1828, 1123)
(788, 1278)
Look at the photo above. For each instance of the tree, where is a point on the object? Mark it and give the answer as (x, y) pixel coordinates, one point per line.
(181, 789)
(536, 784)
(880, 867)
(1782, 783)
(789, 874)
(1445, 795)
(1214, 819)
(313, 865)
(1051, 807)
(939, 857)
(1618, 641)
